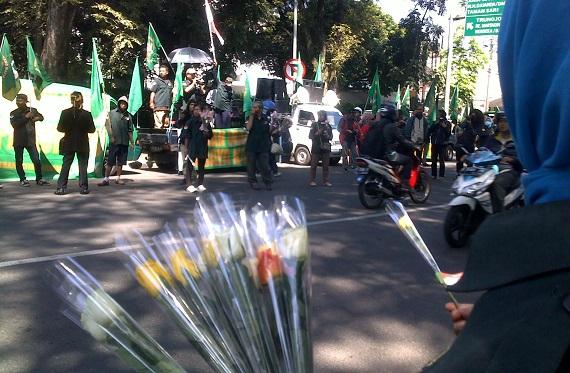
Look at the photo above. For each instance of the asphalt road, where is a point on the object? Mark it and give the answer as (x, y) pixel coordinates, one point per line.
(375, 305)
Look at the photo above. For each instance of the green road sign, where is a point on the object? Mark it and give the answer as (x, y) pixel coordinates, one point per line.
(483, 17)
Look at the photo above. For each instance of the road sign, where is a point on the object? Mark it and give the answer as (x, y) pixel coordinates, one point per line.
(483, 17)
(295, 70)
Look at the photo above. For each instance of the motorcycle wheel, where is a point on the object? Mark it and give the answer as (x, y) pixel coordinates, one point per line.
(455, 226)
(422, 190)
(368, 201)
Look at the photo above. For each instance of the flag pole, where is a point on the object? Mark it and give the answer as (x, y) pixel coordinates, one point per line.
(212, 48)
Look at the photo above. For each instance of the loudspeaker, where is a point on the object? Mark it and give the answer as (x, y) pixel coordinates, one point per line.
(270, 89)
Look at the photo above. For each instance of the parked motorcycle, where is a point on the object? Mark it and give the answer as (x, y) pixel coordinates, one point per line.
(378, 180)
(472, 203)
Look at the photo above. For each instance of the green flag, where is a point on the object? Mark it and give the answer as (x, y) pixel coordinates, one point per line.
(135, 93)
(431, 103)
(318, 73)
(178, 89)
(298, 73)
(219, 76)
(40, 78)
(397, 98)
(10, 81)
(247, 101)
(153, 45)
(405, 105)
(97, 84)
(374, 95)
(454, 105)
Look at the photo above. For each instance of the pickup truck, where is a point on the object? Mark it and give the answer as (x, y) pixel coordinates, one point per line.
(303, 116)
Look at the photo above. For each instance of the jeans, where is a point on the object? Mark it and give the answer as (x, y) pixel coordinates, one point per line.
(438, 155)
(82, 159)
(258, 161)
(222, 119)
(404, 160)
(190, 169)
(273, 163)
(504, 183)
(349, 147)
(325, 158)
(34, 156)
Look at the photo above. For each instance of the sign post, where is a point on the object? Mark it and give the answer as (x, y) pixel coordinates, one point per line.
(483, 17)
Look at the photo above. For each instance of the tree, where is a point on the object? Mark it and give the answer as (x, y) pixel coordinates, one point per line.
(339, 46)
(468, 60)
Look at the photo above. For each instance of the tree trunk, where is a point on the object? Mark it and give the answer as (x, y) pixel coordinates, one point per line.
(60, 16)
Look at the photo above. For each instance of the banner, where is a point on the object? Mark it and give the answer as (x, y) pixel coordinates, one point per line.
(55, 98)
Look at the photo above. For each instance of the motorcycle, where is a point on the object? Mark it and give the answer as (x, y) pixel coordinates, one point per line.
(378, 179)
(472, 203)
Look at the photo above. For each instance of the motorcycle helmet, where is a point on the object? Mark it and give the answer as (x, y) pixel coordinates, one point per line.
(388, 111)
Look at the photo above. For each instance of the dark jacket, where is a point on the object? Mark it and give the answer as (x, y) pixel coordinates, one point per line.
(258, 139)
(439, 132)
(223, 96)
(394, 141)
(372, 144)
(522, 321)
(24, 128)
(76, 124)
(198, 133)
(409, 126)
(466, 136)
(324, 137)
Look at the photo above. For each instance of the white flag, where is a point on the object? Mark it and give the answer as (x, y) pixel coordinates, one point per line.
(211, 24)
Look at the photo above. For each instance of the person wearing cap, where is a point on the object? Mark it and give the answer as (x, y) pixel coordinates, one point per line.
(76, 124)
(223, 102)
(23, 120)
(120, 128)
(519, 261)
(348, 134)
(194, 90)
(161, 97)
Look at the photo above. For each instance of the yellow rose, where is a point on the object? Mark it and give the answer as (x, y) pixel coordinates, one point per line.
(294, 243)
(151, 276)
(181, 262)
(405, 222)
(209, 253)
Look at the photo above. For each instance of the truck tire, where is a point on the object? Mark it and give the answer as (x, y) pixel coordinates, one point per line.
(302, 156)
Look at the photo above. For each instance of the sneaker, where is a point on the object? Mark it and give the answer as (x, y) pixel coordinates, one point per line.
(119, 182)
(191, 189)
(60, 191)
(313, 184)
(24, 183)
(201, 188)
(42, 182)
(104, 182)
(84, 191)
(327, 184)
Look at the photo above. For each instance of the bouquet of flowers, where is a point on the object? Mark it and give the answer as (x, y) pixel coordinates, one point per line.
(235, 282)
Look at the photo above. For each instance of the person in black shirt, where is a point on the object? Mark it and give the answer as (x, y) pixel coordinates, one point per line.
(320, 134)
(196, 134)
(76, 124)
(23, 120)
(257, 147)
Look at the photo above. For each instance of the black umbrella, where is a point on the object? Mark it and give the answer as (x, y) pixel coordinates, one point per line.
(189, 55)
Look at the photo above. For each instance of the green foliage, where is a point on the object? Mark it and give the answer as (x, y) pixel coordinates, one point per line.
(468, 60)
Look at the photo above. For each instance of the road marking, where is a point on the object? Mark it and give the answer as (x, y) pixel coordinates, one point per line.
(50, 258)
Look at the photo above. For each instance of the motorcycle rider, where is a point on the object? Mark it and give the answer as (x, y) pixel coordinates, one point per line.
(510, 168)
(395, 145)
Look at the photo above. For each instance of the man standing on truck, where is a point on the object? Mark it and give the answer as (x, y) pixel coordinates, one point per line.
(119, 127)
(223, 97)
(161, 97)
